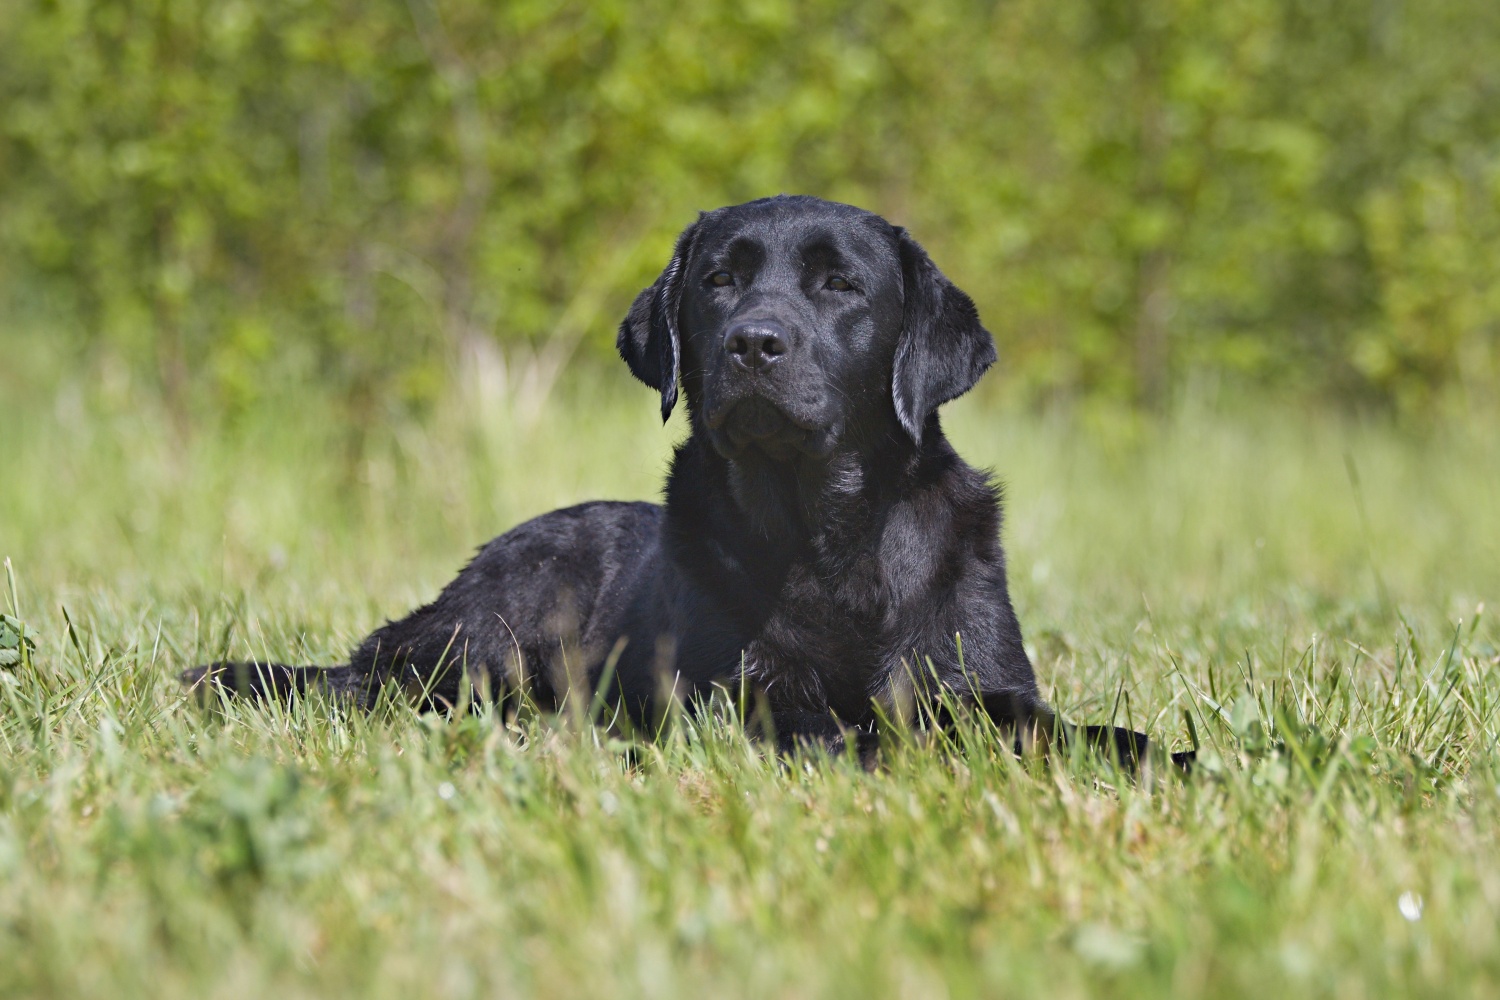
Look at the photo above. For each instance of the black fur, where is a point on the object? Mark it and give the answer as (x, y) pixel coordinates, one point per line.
(821, 544)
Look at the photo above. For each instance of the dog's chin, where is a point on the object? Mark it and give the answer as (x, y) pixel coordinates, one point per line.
(755, 425)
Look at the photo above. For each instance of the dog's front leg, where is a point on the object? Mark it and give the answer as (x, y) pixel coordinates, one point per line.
(794, 731)
(1038, 728)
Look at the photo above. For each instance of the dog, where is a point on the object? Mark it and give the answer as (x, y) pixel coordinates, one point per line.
(821, 545)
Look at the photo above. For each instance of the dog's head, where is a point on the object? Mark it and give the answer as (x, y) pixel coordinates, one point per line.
(797, 324)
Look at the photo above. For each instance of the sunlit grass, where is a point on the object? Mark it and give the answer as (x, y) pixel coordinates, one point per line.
(1298, 593)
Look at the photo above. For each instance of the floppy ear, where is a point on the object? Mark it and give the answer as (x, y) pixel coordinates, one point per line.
(943, 348)
(648, 339)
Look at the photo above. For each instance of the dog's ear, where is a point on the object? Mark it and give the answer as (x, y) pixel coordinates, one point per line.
(648, 339)
(943, 348)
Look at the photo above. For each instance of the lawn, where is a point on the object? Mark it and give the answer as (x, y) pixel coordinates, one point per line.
(1298, 592)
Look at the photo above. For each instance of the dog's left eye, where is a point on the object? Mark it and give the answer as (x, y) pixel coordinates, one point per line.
(838, 283)
(721, 279)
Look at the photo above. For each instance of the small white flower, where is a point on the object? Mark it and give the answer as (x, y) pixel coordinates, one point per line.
(1410, 905)
(446, 791)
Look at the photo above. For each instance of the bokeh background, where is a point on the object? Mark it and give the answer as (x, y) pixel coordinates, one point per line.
(225, 200)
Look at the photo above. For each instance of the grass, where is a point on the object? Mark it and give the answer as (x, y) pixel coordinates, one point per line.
(1301, 589)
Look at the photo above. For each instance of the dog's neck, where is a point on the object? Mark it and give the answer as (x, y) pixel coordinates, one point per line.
(810, 496)
(828, 509)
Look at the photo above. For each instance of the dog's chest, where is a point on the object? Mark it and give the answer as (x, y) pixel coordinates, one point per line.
(824, 644)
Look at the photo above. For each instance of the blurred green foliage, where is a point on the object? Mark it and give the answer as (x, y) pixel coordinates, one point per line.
(229, 193)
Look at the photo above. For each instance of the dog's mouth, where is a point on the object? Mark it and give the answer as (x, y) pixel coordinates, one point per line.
(756, 422)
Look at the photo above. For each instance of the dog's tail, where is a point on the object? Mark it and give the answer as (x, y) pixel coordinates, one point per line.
(266, 681)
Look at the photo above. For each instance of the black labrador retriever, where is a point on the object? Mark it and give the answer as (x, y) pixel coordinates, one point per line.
(821, 545)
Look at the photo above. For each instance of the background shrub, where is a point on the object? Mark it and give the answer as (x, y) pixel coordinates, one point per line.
(1301, 193)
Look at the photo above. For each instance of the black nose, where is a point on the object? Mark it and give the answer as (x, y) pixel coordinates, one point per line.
(755, 345)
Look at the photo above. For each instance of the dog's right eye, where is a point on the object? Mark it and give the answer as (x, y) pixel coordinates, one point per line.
(721, 279)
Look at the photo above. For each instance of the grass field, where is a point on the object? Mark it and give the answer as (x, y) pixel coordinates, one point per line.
(1306, 589)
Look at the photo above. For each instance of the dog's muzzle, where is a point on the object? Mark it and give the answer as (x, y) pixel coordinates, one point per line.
(754, 421)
